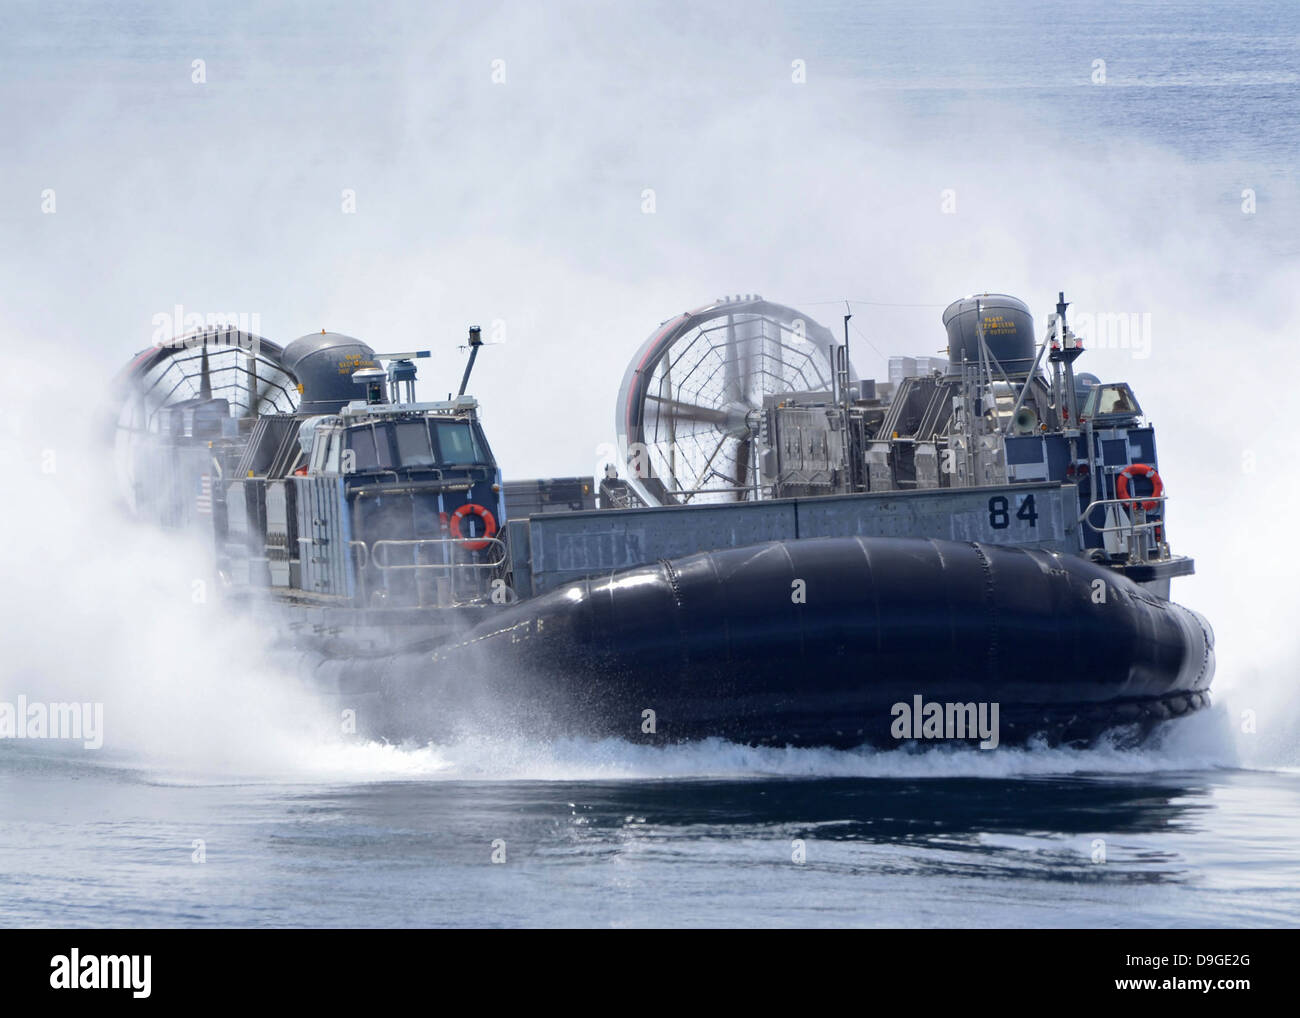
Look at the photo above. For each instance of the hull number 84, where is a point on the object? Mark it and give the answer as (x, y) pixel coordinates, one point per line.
(1000, 512)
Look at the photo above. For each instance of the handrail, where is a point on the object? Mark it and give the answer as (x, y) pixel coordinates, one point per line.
(381, 561)
(1131, 530)
(1132, 525)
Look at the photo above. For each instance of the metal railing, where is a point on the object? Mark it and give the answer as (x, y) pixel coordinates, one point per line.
(419, 543)
(1130, 531)
(453, 569)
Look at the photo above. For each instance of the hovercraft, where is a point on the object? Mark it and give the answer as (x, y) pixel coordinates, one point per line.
(779, 552)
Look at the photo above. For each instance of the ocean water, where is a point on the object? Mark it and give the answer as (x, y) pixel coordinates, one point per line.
(610, 834)
(221, 798)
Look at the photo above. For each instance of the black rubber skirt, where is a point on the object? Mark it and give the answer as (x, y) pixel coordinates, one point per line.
(835, 641)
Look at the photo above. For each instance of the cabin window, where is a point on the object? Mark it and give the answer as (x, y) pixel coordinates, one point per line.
(1110, 399)
(458, 444)
(365, 454)
(413, 449)
(1116, 401)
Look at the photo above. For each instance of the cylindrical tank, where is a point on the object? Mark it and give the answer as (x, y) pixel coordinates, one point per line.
(1083, 384)
(323, 363)
(1008, 332)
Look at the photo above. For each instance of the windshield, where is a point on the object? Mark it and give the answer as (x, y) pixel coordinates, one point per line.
(458, 443)
(413, 449)
(414, 444)
(1110, 399)
(365, 455)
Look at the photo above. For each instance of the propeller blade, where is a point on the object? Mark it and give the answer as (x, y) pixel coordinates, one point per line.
(743, 453)
(688, 411)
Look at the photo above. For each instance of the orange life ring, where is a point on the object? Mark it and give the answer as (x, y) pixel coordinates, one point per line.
(1140, 470)
(489, 525)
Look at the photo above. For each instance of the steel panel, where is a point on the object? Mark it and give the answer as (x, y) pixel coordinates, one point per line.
(569, 546)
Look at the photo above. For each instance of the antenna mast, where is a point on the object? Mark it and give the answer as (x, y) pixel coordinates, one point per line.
(475, 341)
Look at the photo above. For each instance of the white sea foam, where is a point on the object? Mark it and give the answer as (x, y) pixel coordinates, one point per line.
(294, 756)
